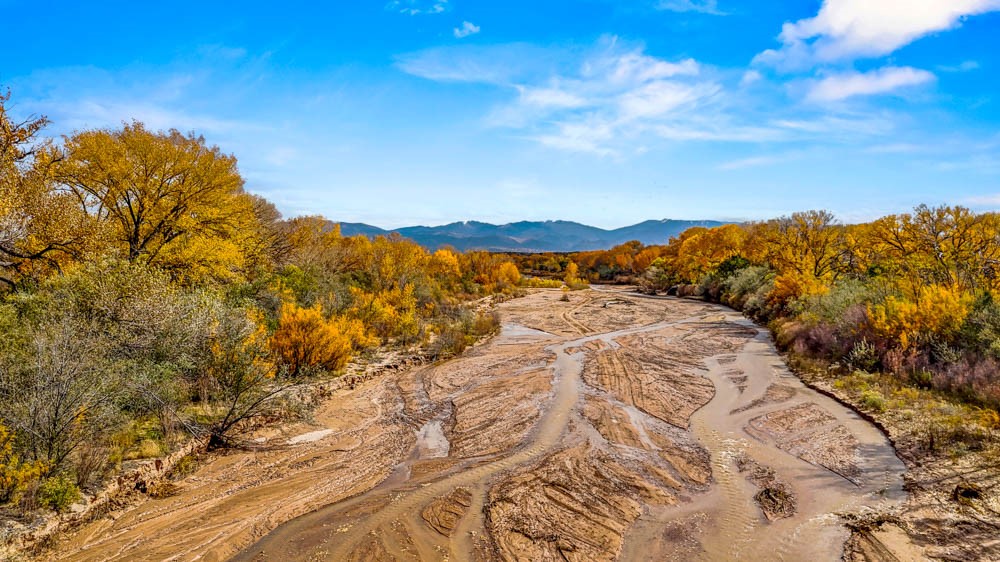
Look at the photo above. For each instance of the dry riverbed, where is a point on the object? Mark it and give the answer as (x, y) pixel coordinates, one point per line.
(607, 427)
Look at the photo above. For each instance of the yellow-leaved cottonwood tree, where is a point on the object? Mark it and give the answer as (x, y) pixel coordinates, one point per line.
(166, 198)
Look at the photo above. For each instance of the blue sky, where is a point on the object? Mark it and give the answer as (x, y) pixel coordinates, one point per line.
(608, 112)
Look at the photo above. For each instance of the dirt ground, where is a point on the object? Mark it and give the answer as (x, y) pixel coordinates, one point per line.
(606, 427)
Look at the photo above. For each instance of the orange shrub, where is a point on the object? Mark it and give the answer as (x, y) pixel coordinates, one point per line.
(305, 338)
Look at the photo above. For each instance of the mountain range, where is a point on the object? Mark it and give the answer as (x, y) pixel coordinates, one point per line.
(531, 236)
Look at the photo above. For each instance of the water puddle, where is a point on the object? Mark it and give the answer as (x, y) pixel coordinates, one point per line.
(310, 437)
(517, 333)
(431, 441)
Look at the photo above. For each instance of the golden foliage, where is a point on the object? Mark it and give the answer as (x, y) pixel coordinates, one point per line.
(939, 311)
(155, 189)
(305, 338)
(445, 265)
(793, 285)
(572, 273)
(389, 314)
(508, 275)
(492, 272)
(703, 251)
(40, 227)
(15, 475)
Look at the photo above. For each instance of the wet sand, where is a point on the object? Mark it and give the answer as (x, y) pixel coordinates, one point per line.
(608, 427)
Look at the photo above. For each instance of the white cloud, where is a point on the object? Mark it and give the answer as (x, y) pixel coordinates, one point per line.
(881, 81)
(418, 7)
(983, 163)
(487, 64)
(896, 148)
(851, 29)
(468, 28)
(750, 77)
(588, 102)
(661, 97)
(702, 6)
(634, 66)
(614, 97)
(831, 127)
(719, 129)
(588, 135)
(549, 97)
(964, 66)
(989, 200)
(753, 162)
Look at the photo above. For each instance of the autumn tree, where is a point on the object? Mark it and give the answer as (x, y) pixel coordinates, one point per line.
(702, 252)
(156, 189)
(807, 243)
(315, 243)
(938, 245)
(572, 277)
(390, 313)
(445, 266)
(39, 227)
(937, 313)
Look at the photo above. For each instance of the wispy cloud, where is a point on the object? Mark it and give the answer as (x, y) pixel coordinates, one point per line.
(851, 29)
(983, 201)
(418, 7)
(983, 163)
(505, 65)
(614, 97)
(750, 77)
(831, 127)
(754, 162)
(885, 80)
(85, 97)
(964, 66)
(896, 148)
(589, 101)
(701, 6)
(466, 29)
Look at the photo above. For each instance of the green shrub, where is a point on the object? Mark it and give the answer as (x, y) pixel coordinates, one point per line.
(58, 493)
(857, 381)
(873, 400)
(981, 329)
(832, 306)
(731, 265)
(863, 356)
(922, 379)
(747, 290)
(184, 466)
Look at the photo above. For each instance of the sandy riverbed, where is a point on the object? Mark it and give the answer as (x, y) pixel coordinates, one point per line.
(607, 427)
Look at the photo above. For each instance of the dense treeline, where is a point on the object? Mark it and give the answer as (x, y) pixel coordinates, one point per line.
(913, 295)
(621, 264)
(146, 297)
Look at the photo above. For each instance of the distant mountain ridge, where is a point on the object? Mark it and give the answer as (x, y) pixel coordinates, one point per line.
(531, 236)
